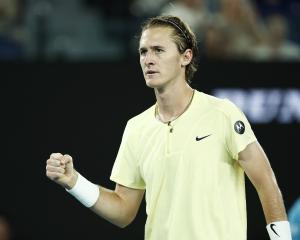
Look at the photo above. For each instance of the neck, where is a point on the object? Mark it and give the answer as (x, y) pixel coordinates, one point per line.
(171, 103)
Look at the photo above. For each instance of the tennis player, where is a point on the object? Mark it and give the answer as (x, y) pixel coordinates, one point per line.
(188, 153)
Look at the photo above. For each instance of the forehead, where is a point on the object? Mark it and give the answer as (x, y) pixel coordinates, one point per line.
(156, 36)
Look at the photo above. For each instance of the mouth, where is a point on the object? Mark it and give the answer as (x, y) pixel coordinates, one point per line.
(150, 72)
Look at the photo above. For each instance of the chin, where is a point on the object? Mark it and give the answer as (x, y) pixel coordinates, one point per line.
(154, 83)
(151, 83)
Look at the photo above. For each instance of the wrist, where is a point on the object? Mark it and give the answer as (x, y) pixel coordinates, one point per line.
(85, 191)
(73, 181)
(279, 230)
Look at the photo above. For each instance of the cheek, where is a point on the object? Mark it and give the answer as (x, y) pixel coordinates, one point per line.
(173, 64)
(142, 63)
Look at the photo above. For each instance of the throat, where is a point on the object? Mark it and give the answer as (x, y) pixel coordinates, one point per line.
(168, 119)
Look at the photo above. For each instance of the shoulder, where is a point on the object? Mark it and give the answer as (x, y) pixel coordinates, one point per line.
(222, 106)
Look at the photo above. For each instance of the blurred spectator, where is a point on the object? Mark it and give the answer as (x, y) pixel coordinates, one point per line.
(10, 32)
(5, 227)
(290, 9)
(294, 219)
(216, 44)
(193, 12)
(102, 30)
(277, 45)
(237, 21)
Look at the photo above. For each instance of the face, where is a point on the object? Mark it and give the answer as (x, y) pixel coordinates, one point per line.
(160, 59)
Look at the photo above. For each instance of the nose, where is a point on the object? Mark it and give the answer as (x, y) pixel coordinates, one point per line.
(149, 59)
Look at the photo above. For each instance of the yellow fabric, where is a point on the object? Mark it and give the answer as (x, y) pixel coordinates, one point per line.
(195, 190)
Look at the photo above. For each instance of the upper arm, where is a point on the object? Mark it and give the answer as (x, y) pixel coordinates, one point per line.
(256, 165)
(131, 197)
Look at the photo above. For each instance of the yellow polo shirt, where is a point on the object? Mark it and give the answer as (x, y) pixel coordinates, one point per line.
(195, 188)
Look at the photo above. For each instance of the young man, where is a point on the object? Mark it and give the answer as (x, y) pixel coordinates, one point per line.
(188, 152)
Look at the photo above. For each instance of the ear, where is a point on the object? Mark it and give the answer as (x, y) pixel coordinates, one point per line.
(186, 57)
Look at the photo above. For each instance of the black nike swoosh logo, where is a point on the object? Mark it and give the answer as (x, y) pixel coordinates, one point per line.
(200, 138)
(272, 227)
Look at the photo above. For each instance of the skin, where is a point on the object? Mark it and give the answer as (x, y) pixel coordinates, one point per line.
(160, 56)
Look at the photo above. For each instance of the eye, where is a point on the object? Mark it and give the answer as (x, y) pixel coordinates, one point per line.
(159, 50)
(143, 52)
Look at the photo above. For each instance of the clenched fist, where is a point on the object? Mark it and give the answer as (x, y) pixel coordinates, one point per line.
(60, 170)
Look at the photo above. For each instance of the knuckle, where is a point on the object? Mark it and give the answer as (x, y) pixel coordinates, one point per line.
(48, 174)
(68, 157)
(56, 155)
(52, 176)
(50, 169)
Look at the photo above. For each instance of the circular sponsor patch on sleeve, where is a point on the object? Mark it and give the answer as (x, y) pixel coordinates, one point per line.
(239, 127)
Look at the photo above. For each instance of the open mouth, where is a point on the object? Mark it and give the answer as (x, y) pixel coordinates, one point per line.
(150, 72)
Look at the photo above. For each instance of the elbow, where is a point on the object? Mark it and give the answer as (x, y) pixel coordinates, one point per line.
(124, 223)
(126, 215)
(125, 219)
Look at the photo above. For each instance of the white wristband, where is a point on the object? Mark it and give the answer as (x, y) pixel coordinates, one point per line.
(279, 230)
(85, 191)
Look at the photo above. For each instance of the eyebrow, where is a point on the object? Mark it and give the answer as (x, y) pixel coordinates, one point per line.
(151, 47)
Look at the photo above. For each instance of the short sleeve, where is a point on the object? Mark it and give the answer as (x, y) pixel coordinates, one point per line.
(126, 169)
(238, 130)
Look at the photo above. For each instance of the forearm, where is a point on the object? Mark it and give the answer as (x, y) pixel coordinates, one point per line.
(257, 167)
(271, 200)
(106, 203)
(111, 207)
(119, 206)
